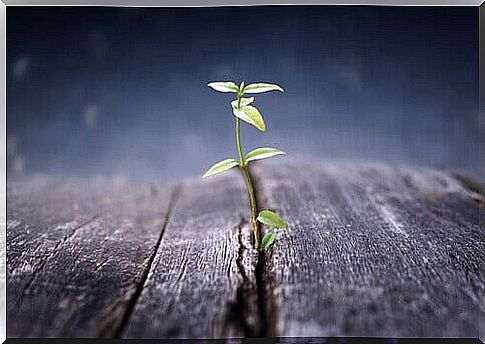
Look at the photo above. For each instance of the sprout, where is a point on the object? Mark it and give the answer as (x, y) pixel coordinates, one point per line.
(243, 110)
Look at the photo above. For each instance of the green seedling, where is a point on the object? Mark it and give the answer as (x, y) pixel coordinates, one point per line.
(243, 110)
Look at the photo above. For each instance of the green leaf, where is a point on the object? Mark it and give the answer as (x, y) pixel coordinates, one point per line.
(261, 87)
(224, 86)
(270, 219)
(244, 102)
(268, 240)
(250, 115)
(221, 166)
(263, 153)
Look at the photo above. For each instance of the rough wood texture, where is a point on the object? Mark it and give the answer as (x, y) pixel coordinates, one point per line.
(202, 283)
(373, 251)
(77, 252)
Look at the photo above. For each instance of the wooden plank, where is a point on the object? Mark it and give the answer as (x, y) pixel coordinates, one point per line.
(202, 283)
(372, 251)
(77, 251)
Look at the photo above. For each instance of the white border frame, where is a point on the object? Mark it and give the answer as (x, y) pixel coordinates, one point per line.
(138, 3)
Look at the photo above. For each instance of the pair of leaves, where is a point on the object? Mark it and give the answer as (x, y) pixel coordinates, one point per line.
(241, 107)
(270, 219)
(256, 154)
(229, 86)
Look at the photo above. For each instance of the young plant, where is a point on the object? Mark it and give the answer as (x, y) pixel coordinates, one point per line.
(243, 110)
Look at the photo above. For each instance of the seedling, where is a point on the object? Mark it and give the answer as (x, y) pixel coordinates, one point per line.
(242, 110)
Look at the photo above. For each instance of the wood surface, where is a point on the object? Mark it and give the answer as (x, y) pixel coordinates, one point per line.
(202, 283)
(77, 252)
(371, 250)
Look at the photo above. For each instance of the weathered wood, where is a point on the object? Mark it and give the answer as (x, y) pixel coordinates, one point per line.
(372, 251)
(202, 283)
(77, 251)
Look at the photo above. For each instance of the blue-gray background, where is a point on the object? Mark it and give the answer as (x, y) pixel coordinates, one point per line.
(122, 91)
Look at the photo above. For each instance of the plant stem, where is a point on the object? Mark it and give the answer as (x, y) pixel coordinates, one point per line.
(238, 142)
(252, 199)
(254, 208)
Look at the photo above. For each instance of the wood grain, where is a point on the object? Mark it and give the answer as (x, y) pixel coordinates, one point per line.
(372, 251)
(202, 283)
(77, 250)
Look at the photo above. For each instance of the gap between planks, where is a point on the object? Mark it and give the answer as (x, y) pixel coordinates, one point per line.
(250, 322)
(139, 289)
(268, 310)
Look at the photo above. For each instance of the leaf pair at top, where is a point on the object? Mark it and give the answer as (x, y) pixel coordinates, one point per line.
(241, 107)
(229, 86)
(256, 154)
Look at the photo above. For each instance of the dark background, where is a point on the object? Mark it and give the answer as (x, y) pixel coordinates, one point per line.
(122, 91)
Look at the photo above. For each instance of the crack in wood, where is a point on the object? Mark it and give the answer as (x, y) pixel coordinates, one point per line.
(249, 312)
(238, 314)
(341, 264)
(139, 288)
(265, 282)
(258, 322)
(242, 247)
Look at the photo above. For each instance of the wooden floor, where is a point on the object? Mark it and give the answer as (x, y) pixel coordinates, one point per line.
(371, 250)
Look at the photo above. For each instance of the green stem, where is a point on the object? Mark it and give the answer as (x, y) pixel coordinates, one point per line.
(254, 208)
(252, 199)
(238, 142)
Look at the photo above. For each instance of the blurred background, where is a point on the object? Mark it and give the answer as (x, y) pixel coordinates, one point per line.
(122, 91)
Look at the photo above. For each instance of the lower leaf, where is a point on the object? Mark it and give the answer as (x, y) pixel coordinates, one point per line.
(268, 240)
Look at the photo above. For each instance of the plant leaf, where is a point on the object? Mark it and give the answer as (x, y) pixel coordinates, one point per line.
(263, 153)
(261, 87)
(250, 115)
(244, 102)
(224, 86)
(268, 240)
(221, 166)
(270, 219)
